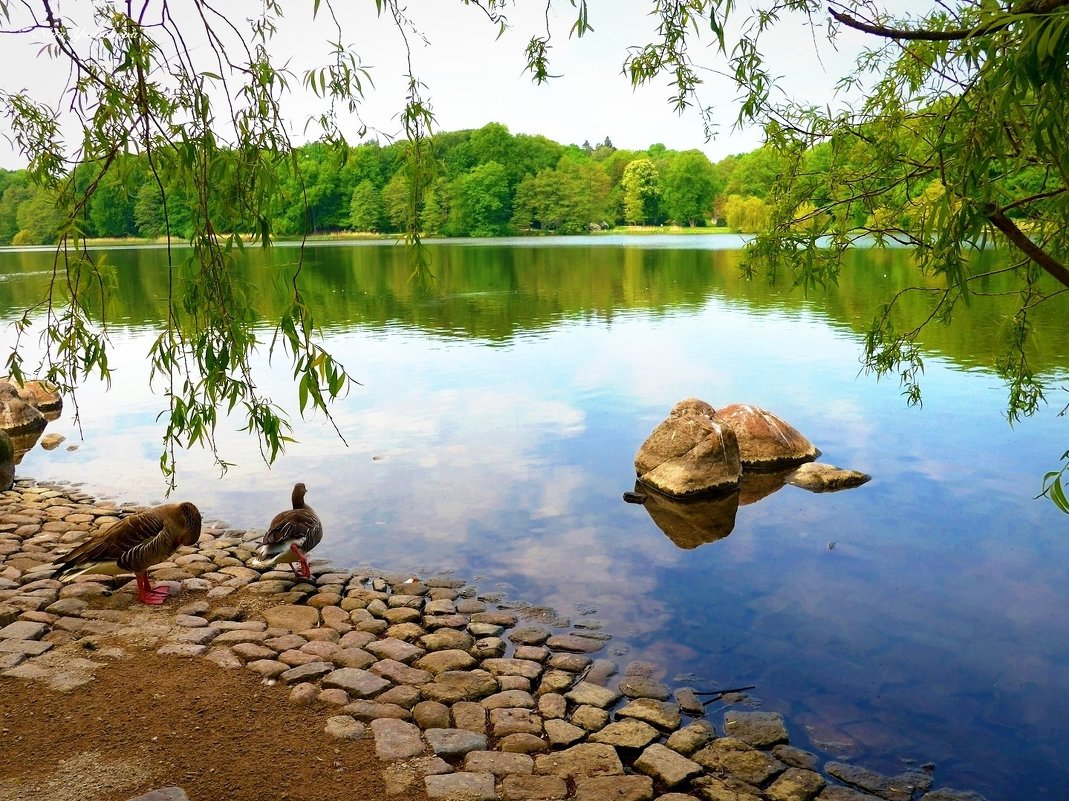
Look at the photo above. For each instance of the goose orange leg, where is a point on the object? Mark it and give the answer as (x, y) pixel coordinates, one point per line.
(306, 571)
(147, 594)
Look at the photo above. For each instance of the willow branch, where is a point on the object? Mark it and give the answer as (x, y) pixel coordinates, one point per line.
(1018, 237)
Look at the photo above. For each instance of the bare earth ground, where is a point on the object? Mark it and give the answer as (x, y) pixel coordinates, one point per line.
(151, 721)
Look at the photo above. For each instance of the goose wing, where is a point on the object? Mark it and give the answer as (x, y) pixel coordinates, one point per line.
(116, 541)
(299, 526)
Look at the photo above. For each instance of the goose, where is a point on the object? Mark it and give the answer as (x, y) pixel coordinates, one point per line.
(133, 545)
(291, 535)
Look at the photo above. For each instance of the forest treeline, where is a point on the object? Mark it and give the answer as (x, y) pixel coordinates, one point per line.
(485, 182)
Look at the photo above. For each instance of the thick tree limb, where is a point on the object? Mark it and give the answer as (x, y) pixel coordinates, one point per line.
(914, 34)
(1018, 237)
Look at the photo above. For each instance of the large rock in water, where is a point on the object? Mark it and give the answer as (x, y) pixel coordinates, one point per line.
(19, 417)
(766, 442)
(7, 461)
(690, 453)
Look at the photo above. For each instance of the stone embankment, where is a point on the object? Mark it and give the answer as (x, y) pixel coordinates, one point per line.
(473, 700)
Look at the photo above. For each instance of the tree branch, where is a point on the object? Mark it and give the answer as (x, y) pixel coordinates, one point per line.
(1054, 267)
(911, 34)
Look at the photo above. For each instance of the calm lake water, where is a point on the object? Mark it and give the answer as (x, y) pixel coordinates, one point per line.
(494, 433)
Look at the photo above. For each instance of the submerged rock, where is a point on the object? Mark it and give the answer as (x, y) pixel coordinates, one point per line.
(817, 477)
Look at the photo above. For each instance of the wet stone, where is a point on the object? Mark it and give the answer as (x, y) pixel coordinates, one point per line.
(586, 694)
(666, 766)
(438, 662)
(662, 714)
(795, 784)
(692, 737)
(489, 648)
(480, 630)
(561, 732)
(572, 663)
(891, 788)
(513, 667)
(642, 687)
(575, 643)
(509, 698)
(626, 734)
(732, 757)
(503, 619)
(529, 635)
(759, 729)
(447, 639)
(585, 759)
(395, 649)
(796, 757)
(727, 788)
(591, 718)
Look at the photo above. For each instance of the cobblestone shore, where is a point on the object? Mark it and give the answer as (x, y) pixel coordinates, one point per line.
(475, 701)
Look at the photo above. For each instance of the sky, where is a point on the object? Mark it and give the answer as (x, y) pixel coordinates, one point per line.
(473, 77)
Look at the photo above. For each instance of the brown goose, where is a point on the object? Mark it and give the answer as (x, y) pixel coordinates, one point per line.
(133, 545)
(290, 536)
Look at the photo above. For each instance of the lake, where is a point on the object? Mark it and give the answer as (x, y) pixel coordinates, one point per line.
(920, 617)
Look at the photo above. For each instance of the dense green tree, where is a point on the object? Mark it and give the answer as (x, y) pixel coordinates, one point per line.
(365, 207)
(690, 185)
(641, 189)
(567, 200)
(482, 202)
(40, 219)
(16, 192)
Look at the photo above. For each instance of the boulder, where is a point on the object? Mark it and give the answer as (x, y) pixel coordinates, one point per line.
(42, 395)
(7, 461)
(19, 417)
(817, 477)
(690, 453)
(766, 442)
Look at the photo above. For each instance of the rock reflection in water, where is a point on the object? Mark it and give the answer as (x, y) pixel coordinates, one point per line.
(696, 521)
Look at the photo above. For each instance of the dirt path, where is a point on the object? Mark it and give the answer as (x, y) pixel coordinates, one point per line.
(149, 721)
